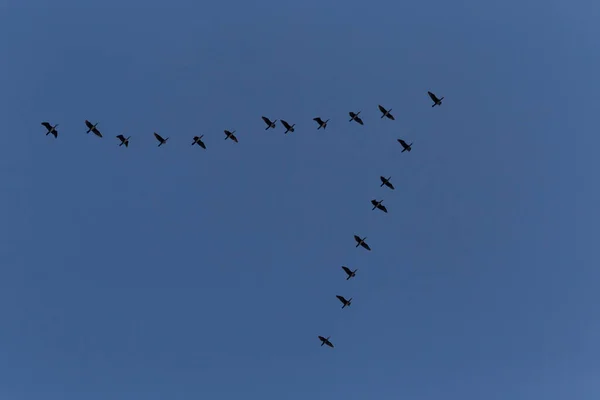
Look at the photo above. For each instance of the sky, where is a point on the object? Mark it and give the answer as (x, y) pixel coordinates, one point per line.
(175, 272)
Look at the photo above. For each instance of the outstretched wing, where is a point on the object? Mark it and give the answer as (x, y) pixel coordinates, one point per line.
(319, 120)
(284, 122)
(347, 270)
(121, 138)
(201, 144)
(158, 137)
(88, 124)
(433, 96)
(47, 125)
(97, 132)
(356, 238)
(402, 142)
(342, 299)
(360, 121)
(383, 110)
(267, 121)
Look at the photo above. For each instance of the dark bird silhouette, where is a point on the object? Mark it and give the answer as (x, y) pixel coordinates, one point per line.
(377, 204)
(322, 124)
(344, 301)
(348, 272)
(160, 139)
(124, 140)
(288, 127)
(325, 341)
(355, 117)
(386, 113)
(92, 128)
(270, 124)
(386, 182)
(436, 101)
(406, 147)
(199, 142)
(51, 129)
(230, 135)
(361, 242)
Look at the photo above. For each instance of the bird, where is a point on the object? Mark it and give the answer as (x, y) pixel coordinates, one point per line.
(361, 242)
(344, 301)
(124, 141)
(199, 142)
(92, 128)
(325, 341)
(406, 147)
(288, 127)
(51, 129)
(322, 124)
(386, 113)
(355, 117)
(160, 139)
(230, 135)
(377, 204)
(386, 182)
(270, 124)
(436, 101)
(349, 272)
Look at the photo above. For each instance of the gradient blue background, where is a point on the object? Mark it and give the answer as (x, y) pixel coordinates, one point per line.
(178, 273)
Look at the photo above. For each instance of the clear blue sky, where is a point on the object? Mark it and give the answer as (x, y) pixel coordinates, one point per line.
(175, 272)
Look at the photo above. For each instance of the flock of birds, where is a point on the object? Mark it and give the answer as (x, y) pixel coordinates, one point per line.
(377, 204)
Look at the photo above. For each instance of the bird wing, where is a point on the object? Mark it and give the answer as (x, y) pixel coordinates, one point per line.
(97, 132)
(158, 137)
(356, 238)
(402, 142)
(328, 343)
(433, 96)
(54, 133)
(360, 121)
(284, 122)
(366, 246)
(383, 208)
(47, 125)
(383, 110)
(201, 143)
(347, 270)
(267, 120)
(319, 120)
(121, 137)
(341, 298)
(88, 124)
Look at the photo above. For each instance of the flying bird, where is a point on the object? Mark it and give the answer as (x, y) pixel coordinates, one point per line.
(92, 128)
(322, 124)
(386, 113)
(436, 101)
(288, 127)
(270, 124)
(355, 117)
(124, 140)
(349, 272)
(377, 204)
(230, 135)
(361, 242)
(51, 129)
(199, 142)
(386, 182)
(406, 147)
(325, 341)
(160, 139)
(344, 301)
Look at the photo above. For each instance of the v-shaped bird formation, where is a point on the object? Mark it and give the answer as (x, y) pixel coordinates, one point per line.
(289, 128)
